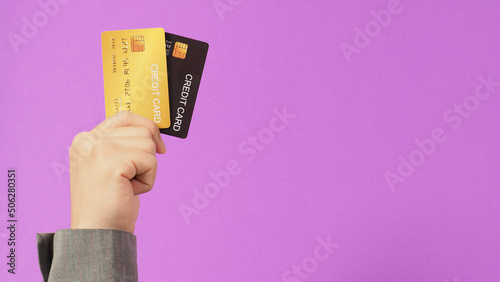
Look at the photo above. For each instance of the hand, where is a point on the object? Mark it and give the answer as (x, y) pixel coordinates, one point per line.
(110, 166)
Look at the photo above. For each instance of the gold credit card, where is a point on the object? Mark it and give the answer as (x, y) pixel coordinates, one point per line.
(135, 73)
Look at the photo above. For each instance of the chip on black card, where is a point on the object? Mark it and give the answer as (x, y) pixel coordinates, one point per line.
(185, 62)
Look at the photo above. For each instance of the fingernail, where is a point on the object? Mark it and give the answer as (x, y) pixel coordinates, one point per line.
(164, 150)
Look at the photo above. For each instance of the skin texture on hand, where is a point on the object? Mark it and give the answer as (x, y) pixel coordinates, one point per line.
(109, 167)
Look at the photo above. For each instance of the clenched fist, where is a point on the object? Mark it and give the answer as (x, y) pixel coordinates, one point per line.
(110, 166)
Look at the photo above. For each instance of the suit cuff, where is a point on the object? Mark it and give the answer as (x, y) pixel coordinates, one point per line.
(91, 255)
(44, 242)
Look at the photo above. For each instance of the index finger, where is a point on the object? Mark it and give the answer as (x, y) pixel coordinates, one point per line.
(126, 118)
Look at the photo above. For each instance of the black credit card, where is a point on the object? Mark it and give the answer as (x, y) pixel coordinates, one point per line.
(185, 61)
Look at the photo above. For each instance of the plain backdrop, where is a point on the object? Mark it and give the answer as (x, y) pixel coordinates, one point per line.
(364, 90)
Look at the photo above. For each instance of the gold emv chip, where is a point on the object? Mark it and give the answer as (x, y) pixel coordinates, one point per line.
(137, 43)
(180, 50)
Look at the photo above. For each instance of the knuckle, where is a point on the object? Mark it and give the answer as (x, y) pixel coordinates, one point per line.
(154, 166)
(155, 163)
(79, 145)
(126, 115)
(120, 116)
(144, 132)
(150, 145)
(78, 137)
(152, 163)
(150, 125)
(105, 125)
(96, 135)
(104, 150)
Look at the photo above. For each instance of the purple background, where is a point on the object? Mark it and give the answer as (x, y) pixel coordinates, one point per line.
(322, 175)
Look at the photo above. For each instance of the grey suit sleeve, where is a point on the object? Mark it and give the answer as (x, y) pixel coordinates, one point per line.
(88, 255)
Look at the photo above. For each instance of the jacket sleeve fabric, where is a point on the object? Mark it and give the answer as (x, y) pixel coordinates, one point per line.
(88, 255)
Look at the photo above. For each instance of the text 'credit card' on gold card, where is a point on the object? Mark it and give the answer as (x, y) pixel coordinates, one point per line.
(135, 73)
